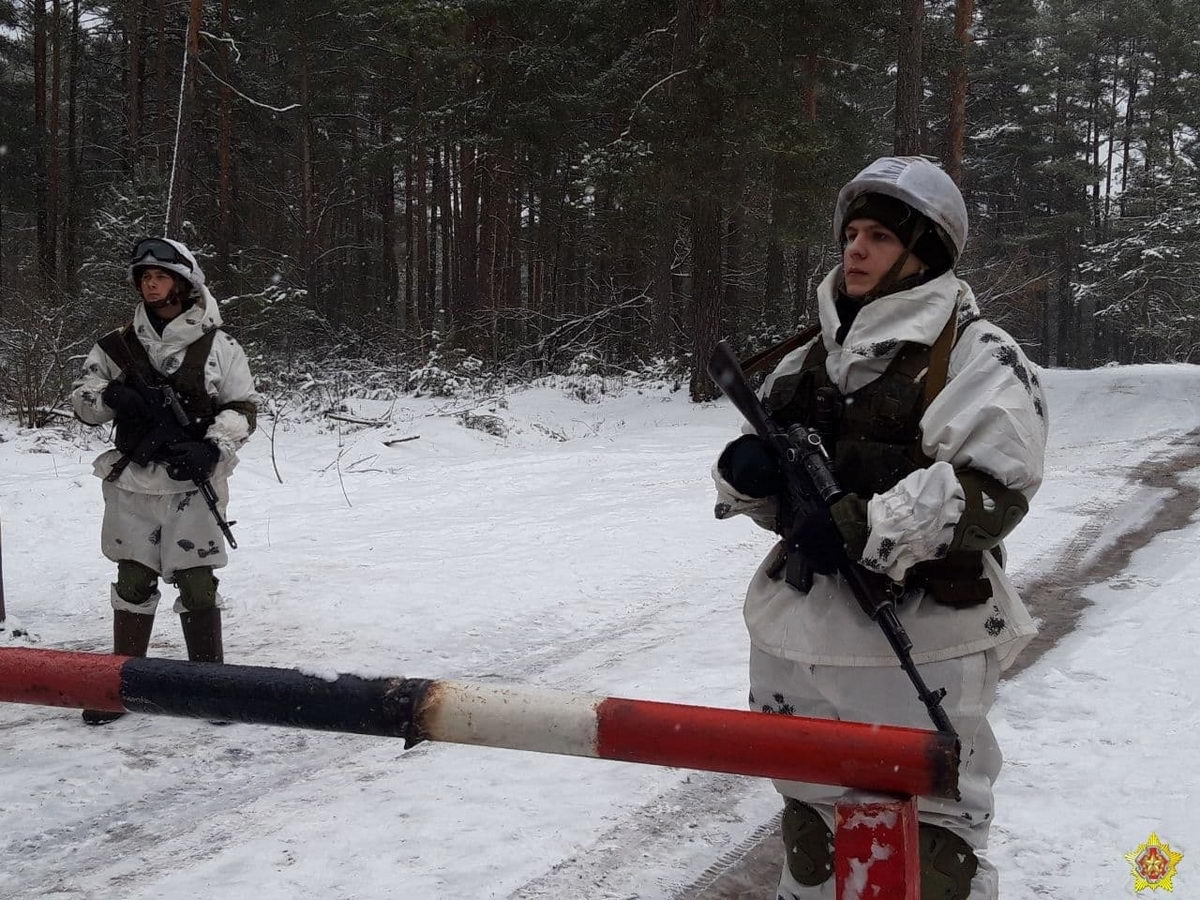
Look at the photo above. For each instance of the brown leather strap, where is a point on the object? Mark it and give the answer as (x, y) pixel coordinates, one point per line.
(939, 358)
(773, 354)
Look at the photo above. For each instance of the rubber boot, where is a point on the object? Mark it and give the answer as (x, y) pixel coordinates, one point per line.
(131, 637)
(202, 634)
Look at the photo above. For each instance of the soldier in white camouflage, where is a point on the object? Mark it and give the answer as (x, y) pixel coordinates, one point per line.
(936, 423)
(156, 523)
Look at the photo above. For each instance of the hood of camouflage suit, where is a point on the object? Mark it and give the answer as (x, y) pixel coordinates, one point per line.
(166, 350)
(917, 314)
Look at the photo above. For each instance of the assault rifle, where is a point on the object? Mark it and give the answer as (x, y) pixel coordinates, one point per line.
(811, 483)
(170, 426)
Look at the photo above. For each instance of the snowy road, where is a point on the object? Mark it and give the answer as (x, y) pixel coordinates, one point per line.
(577, 553)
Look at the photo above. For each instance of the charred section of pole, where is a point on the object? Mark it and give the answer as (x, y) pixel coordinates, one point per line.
(945, 752)
(266, 696)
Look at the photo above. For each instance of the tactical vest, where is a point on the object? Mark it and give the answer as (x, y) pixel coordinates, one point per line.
(873, 435)
(124, 348)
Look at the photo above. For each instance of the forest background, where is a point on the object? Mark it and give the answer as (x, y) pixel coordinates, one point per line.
(418, 194)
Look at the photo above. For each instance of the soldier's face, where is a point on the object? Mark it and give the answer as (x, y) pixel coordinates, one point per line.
(871, 250)
(157, 287)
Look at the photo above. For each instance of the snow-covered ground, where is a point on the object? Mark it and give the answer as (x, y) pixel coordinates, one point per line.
(578, 552)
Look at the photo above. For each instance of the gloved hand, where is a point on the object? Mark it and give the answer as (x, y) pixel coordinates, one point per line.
(751, 467)
(127, 403)
(827, 536)
(191, 460)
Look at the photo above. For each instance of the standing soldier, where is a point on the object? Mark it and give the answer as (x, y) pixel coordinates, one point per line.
(156, 523)
(936, 424)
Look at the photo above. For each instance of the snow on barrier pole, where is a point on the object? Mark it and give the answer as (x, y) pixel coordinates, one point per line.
(876, 837)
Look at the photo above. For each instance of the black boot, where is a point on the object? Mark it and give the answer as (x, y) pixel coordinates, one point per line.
(131, 637)
(202, 634)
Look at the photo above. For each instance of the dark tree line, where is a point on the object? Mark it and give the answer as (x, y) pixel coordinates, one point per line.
(530, 181)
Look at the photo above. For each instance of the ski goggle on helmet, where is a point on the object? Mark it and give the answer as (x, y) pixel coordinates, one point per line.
(149, 251)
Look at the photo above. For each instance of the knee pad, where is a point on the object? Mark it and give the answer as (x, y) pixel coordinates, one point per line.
(136, 584)
(808, 843)
(197, 589)
(948, 864)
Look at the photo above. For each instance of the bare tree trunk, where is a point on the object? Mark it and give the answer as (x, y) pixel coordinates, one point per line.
(1112, 131)
(71, 223)
(964, 12)
(448, 298)
(133, 37)
(467, 240)
(1094, 124)
(773, 272)
(801, 279)
(307, 241)
(533, 245)
(407, 319)
(387, 210)
(224, 144)
(435, 181)
(164, 137)
(3, 160)
(706, 220)
(45, 253)
(1131, 85)
(421, 216)
(706, 292)
(361, 293)
(1149, 150)
(515, 249)
(54, 188)
(186, 128)
(732, 298)
(662, 286)
(487, 238)
(909, 87)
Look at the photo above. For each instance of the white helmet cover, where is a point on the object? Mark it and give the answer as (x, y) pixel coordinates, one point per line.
(189, 270)
(917, 182)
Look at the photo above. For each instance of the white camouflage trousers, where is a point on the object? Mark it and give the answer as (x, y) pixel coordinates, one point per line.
(884, 695)
(164, 532)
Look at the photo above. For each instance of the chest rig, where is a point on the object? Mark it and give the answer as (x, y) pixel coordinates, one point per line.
(873, 436)
(124, 348)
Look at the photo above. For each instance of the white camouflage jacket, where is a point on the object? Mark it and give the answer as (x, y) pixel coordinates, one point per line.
(227, 379)
(991, 417)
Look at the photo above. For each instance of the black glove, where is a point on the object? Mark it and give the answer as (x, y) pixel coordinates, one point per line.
(827, 536)
(127, 403)
(191, 460)
(815, 536)
(751, 467)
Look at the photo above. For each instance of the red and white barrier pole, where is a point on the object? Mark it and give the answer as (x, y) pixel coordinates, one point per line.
(875, 843)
